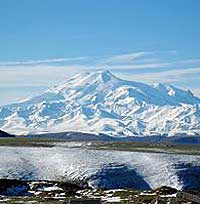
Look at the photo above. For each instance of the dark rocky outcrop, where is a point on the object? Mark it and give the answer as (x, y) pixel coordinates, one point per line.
(12, 187)
(85, 201)
(70, 187)
(165, 190)
(5, 134)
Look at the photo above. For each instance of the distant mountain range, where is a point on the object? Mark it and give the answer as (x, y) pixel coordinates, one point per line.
(102, 103)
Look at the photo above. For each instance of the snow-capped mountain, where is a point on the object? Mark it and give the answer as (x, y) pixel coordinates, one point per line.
(102, 103)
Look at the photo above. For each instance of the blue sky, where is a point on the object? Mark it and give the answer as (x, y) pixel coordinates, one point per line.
(44, 42)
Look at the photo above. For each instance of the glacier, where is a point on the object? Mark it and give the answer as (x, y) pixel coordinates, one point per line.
(100, 168)
(101, 102)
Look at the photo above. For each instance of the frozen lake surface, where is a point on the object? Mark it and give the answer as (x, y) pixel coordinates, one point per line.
(109, 169)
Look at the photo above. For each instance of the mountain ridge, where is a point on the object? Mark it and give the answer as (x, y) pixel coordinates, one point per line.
(103, 103)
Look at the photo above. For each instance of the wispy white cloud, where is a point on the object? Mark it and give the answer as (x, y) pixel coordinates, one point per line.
(44, 61)
(133, 60)
(126, 58)
(135, 57)
(196, 91)
(37, 75)
(42, 72)
(139, 66)
(167, 76)
(189, 61)
(185, 78)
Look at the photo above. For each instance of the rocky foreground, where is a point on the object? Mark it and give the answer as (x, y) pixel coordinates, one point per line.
(16, 191)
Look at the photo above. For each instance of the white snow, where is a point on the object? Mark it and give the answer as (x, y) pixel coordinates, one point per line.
(102, 103)
(110, 169)
(112, 199)
(52, 188)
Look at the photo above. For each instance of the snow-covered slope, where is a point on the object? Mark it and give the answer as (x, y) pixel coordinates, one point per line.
(101, 169)
(101, 102)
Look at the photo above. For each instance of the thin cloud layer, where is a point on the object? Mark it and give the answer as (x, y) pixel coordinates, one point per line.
(126, 58)
(44, 61)
(148, 67)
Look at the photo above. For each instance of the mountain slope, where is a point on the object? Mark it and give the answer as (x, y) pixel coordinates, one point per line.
(100, 102)
(5, 134)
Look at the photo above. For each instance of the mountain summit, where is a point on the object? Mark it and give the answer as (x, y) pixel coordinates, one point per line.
(102, 103)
